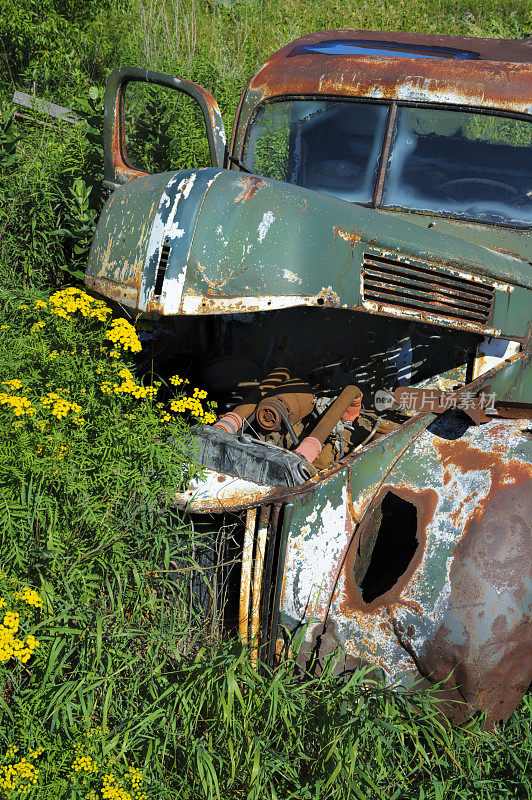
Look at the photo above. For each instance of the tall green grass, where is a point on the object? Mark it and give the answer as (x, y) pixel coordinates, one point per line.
(202, 722)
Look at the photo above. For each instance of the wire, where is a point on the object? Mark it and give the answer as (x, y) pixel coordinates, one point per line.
(369, 436)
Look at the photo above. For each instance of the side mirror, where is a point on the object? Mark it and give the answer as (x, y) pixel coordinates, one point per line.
(117, 169)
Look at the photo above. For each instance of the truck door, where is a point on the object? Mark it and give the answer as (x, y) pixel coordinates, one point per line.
(121, 153)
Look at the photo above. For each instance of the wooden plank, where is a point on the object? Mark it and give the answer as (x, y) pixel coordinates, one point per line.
(45, 107)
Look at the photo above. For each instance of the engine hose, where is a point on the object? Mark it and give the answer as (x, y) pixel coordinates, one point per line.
(284, 417)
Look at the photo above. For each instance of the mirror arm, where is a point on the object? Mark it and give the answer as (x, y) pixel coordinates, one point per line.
(240, 164)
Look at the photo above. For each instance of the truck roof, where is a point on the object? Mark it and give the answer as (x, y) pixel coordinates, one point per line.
(465, 71)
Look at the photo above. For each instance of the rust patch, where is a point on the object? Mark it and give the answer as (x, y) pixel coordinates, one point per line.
(500, 78)
(251, 187)
(491, 667)
(460, 455)
(323, 642)
(348, 236)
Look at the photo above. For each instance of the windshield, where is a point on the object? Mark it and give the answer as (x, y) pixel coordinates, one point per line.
(453, 163)
(332, 147)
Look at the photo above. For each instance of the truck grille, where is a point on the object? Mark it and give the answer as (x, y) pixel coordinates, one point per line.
(425, 289)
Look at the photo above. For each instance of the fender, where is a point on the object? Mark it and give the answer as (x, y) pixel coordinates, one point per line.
(462, 604)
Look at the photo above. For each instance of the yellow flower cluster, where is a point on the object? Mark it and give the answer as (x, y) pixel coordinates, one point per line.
(30, 596)
(59, 405)
(113, 792)
(19, 404)
(2, 602)
(135, 776)
(10, 646)
(84, 764)
(20, 776)
(128, 386)
(68, 301)
(123, 334)
(14, 383)
(193, 404)
(36, 753)
(40, 304)
(190, 403)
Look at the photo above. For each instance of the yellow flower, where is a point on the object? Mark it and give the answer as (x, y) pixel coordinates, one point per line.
(11, 620)
(59, 406)
(84, 764)
(19, 777)
(4, 327)
(29, 596)
(67, 302)
(123, 334)
(40, 304)
(19, 405)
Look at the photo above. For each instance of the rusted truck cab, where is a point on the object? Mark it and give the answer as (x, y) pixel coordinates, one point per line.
(351, 280)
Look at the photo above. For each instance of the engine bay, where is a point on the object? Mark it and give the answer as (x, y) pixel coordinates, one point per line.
(296, 389)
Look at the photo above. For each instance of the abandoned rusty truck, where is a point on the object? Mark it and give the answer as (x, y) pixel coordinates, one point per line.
(351, 280)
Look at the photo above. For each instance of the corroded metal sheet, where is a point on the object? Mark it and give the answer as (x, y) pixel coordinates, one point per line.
(245, 576)
(234, 243)
(216, 492)
(464, 602)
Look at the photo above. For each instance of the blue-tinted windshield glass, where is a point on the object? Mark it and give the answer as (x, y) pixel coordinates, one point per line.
(461, 164)
(329, 146)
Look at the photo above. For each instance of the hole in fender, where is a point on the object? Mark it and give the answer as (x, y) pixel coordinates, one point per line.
(388, 547)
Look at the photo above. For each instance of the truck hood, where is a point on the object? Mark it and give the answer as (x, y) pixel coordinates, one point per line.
(218, 241)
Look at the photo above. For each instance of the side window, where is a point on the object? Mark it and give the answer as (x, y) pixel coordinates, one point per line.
(164, 129)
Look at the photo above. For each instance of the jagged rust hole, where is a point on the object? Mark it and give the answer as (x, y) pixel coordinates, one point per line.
(395, 545)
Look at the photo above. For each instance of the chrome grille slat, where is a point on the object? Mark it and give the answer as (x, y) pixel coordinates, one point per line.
(425, 289)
